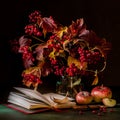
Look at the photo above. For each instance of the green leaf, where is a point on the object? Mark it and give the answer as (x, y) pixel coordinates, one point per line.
(76, 82)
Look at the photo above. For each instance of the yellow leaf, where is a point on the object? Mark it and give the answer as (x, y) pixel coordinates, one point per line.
(95, 81)
(60, 53)
(52, 54)
(72, 60)
(31, 70)
(44, 32)
(61, 31)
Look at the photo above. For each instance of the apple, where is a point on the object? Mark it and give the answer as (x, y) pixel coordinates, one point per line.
(109, 102)
(84, 97)
(100, 92)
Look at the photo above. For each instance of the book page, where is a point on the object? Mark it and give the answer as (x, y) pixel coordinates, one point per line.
(24, 97)
(48, 98)
(51, 96)
(25, 102)
(66, 104)
(33, 94)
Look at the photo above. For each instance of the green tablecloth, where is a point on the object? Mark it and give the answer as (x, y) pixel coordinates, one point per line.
(10, 114)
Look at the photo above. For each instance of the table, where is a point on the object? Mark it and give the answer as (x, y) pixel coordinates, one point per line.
(10, 114)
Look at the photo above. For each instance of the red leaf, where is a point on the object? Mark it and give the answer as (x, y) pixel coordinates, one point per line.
(39, 51)
(48, 25)
(23, 41)
(77, 28)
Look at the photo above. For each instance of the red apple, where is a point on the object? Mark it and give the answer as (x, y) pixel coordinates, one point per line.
(100, 92)
(84, 97)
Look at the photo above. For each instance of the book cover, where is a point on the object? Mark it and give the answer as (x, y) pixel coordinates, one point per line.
(24, 110)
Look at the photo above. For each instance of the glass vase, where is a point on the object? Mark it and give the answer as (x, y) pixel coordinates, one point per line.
(66, 86)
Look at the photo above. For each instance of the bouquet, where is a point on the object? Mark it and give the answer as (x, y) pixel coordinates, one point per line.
(71, 52)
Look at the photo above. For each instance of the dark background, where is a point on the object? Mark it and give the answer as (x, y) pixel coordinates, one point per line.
(102, 16)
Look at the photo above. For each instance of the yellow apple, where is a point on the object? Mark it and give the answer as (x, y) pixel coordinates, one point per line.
(109, 102)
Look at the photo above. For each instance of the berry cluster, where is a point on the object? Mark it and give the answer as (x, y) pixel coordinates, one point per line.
(89, 56)
(59, 70)
(31, 79)
(55, 42)
(32, 30)
(26, 53)
(35, 16)
(72, 70)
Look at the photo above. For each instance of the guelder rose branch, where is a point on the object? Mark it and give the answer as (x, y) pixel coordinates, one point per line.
(70, 52)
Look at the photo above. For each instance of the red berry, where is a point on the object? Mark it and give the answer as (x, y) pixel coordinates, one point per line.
(94, 111)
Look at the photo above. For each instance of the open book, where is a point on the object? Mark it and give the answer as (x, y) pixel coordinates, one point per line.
(31, 99)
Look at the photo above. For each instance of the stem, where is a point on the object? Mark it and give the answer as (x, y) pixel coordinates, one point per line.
(103, 67)
(71, 83)
(35, 89)
(34, 45)
(38, 39)
(99, 70)
(66, 94)
(75, 91)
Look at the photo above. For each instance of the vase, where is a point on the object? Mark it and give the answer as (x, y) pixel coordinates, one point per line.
(68, 86)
